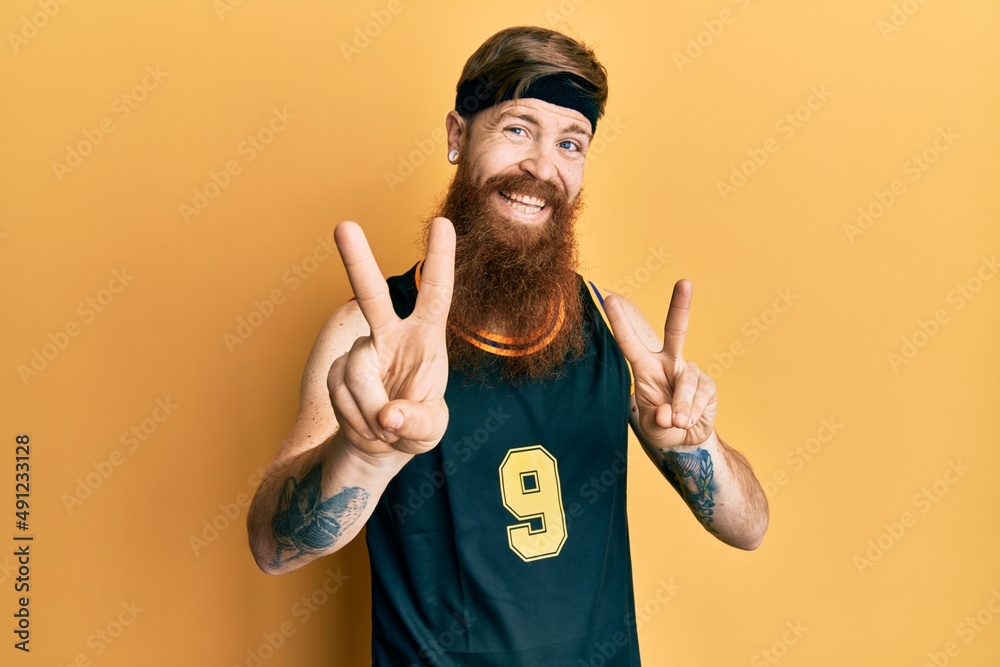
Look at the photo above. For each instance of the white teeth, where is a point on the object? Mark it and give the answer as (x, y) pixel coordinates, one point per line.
(524, 203)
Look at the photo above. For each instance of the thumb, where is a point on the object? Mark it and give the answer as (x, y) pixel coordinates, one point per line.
(416, 422)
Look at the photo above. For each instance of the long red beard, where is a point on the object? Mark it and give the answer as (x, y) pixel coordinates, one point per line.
(510, 277)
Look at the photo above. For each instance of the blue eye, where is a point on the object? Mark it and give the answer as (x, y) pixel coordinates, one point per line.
(569, 145)
(516, 129)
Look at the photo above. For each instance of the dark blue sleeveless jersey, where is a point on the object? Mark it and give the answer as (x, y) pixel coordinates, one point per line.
(507, 544)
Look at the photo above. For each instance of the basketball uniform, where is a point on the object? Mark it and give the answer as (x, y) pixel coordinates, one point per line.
(507, 544)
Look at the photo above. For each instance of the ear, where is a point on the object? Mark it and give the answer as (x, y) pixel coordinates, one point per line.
(456, 128)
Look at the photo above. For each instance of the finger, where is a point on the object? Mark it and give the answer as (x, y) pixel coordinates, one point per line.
(664, 416)
(363, 381)
(686, 384)
(437, 275)
(415, 422)
(703, 397)
(367, 281)
(624, 331)
(676, 325)
(345, 408)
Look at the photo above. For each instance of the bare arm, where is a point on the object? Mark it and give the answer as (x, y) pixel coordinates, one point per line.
(719, 486)
(372, 396)
(673, 414)
(319, 490)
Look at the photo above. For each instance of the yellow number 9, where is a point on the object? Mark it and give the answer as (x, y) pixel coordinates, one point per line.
(529, 485)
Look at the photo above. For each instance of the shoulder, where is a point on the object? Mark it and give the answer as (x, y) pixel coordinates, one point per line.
(344, 326)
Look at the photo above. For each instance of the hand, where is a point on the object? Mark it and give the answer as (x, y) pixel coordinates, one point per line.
(388, 390)
(676, 401)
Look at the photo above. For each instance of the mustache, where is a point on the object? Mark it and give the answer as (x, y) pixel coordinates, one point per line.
(528, 185)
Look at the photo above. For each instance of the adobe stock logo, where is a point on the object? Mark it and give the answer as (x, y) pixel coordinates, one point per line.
(223, 7)
(704, 39)
(30, 25)
(131, 440)
(302, 610)
(924, 500)
(558, 18)
(122, 107)
(913, 168)
(364, 35)
(295, 276)
(968, 629)
(250, 149)
(798, 457)
(786, 126)
(779, 649)
(899, 16)
(59, 340)
(632, 282)
(752, 330)
(958, 297)
(408, 165)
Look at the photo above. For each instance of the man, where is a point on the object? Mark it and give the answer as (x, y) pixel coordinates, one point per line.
(465, 409)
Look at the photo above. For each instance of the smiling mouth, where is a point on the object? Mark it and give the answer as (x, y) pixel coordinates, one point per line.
(523, 203)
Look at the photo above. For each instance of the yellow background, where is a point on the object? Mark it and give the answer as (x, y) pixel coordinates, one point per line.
(839, 580)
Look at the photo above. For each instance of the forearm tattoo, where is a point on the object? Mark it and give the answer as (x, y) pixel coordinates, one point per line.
(304, 523)
(691, 474)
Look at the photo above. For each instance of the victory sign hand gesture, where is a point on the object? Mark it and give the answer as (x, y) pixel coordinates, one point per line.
(676, 401)
(388, 390)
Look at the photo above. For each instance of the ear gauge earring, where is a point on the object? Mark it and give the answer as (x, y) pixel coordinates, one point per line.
(453, 156)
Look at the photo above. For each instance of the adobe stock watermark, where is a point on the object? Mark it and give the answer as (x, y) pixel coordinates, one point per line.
(293, 277)
(365, 34)
(462, 452)
(899, 16)
(131, 441)
(704, 39)
(957, 297)
(121, 108)
(772, 655)
(590, 492)
(632, 282)
(786, 127)
(557, 17)
(249, 149)
(913, 168)
(654, 603)
(88, 309)
(587, 495)
(223, 7)
(800, 455)
(751, 330)
(302, 610)
(923, 501)
(424, 147)
(408, 164)
(603, 653)
(33, 23)
(7, 569)
(967, 630)
(434, 650)
(608, 132)
(101, 639)
(213, 528)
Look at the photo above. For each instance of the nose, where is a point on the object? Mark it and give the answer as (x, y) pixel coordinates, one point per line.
(540, 164)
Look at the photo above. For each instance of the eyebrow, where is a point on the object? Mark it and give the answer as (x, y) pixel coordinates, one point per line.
(572, 128)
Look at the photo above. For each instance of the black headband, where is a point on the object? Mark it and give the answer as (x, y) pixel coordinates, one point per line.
(559, 89)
